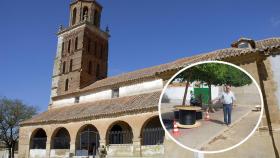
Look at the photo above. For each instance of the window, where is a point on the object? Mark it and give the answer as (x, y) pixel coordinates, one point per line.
(66, 85)
(101, 51)
(63, 67)
(97, 71)
(85, 13)
(77, 99)
(74, 16)
(89, 67)
(76, 43)
(115, 93)
(96, 18)
(71, 65)
(88, 45)
(62, 47)
(69, 46)
(243, 45)
(95, 48)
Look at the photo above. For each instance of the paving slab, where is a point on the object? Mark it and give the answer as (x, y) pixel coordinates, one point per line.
(197, 138)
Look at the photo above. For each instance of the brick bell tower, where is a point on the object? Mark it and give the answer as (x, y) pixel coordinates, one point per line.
(82, 49)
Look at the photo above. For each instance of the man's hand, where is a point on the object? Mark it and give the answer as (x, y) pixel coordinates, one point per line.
(214, 101)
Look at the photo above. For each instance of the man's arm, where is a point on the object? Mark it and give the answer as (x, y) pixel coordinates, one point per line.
(217, 99)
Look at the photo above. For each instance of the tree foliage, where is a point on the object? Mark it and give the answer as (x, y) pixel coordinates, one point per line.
(12, 112)
(213, 74)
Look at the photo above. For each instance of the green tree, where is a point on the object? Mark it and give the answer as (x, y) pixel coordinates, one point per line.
(12, 112)
(213, 74)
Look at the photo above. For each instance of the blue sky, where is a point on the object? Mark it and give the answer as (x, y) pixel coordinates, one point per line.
(144, 33)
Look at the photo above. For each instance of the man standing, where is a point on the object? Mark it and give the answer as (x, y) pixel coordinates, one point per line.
(227, 98)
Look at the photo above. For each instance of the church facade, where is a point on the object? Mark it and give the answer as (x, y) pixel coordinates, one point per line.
(91, 114)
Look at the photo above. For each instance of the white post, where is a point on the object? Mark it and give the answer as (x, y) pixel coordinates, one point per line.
(198, 155)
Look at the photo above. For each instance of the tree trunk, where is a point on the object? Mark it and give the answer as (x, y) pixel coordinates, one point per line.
(185, 93)
(209, 99)
(10, 152)
(13, 150)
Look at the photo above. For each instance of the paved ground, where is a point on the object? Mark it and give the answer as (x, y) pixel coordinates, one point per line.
(234, 134)
(213, 134)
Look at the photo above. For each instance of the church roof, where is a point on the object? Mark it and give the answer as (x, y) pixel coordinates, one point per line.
(151, 72)
(99, 109)
(142, 102)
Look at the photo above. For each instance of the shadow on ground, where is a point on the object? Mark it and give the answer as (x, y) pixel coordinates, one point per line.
(217, 121)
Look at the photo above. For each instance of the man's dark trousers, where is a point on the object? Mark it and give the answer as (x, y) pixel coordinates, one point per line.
(227, 113)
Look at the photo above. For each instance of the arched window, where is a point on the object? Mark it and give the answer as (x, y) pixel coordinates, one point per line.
(76, 43)
(74, 16)
(119, 133)
(69, 46)
(101, 51)
(66, 84)
(97, 71)
(89, 67)
(61, 139)
(152, 132)
(87, 141)
(85, 13)
(71, 65)
(62, 47)
(63, 67)
(38, 139)
(95, 48)
(96, 18)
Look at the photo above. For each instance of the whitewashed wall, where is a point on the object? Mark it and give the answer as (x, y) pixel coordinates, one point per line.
(215, 91)
(275, 66)
(175, 94)
(63, 102)
(37, 153)
(141, 88)
(59, 153)
(129, 90)
(107, 94)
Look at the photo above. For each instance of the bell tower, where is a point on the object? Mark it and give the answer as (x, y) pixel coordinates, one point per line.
(85, 10)
(82, 49)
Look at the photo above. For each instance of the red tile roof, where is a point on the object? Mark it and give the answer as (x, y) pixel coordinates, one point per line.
(98, 109)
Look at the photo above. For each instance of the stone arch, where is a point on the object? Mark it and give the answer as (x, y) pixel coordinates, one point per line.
(119, 132)
(38, 139)
(60, 139)
(152, 132)
(87, 140)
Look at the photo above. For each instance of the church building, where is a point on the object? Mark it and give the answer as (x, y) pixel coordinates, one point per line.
(92, 114)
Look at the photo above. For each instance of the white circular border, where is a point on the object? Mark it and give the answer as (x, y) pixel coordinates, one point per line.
(218, 151)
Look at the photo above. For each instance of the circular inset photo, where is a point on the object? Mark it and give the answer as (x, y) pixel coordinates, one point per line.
(211, 107)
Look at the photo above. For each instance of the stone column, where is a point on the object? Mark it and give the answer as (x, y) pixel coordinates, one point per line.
(48, 147)
(102, 150)
(72, 148)
(137, 147)
(102, 142)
